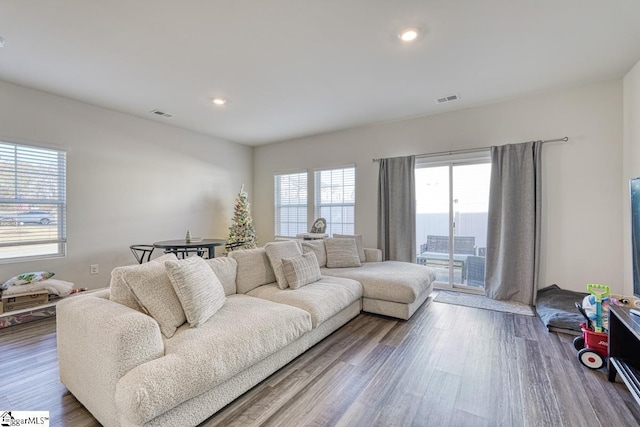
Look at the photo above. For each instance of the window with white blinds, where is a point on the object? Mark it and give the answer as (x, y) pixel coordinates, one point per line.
(32, 202)
(290, 198)
(335, 197)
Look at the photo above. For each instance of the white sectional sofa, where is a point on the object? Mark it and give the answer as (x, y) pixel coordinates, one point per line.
(128, 368)
(390, 288)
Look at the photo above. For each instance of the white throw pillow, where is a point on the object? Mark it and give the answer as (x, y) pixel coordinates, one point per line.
(359, 244)
(198, 288)
(342, 253)
(301, 270)
(254, 269)
(150, 285)
(278, 250)
(26, 278)
(120, 291)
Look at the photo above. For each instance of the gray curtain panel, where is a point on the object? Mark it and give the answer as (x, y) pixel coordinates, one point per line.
(397, 209)
(513, 234)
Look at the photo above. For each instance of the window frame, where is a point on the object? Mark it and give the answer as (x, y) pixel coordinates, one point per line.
(278, 206)
(25, 156)
(318, 204)
(450, 162)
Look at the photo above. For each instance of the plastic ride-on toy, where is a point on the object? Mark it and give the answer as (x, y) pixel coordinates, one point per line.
(593, 345)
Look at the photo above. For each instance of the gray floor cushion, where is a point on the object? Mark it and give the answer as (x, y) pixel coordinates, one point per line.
(556, 308)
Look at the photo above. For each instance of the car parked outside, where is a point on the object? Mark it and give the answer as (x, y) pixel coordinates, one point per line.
(27, 217)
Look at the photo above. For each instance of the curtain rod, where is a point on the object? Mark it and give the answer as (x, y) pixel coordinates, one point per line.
(475, 150)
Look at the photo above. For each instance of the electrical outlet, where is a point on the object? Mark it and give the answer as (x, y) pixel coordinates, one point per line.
(94, 269)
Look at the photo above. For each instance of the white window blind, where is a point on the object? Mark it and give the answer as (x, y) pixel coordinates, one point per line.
(335, 197)
(32, 202)
(290, 204)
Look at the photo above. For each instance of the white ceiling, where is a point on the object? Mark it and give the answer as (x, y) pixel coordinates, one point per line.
(293, 68)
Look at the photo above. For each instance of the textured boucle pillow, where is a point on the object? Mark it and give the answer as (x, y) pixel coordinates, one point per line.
(253, 270)
(301, 270)
(120, 291)
(278, 250)
(317, 247)
(342, 253)
(151, 287)
(198, 288)
(359, 244)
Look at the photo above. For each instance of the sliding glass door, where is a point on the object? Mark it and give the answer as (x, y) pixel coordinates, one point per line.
(452, 200)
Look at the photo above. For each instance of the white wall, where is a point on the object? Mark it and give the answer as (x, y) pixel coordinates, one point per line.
(129, 180)
(631, 162)
(582, 201)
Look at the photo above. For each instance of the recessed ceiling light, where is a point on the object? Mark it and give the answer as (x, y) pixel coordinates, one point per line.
(219, 101)
(2, 42)
(408, 34)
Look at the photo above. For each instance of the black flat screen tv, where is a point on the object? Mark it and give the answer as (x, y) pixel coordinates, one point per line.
(634, 191)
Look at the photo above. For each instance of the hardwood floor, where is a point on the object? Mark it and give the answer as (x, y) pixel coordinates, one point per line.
(448, 366)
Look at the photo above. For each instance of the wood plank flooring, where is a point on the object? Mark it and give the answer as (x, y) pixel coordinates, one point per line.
(447, 366)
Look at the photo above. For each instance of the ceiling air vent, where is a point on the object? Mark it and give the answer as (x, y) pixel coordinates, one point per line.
(161, 113)
(447, 99)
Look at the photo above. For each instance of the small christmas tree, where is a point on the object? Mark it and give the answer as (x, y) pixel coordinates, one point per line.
(241, 233)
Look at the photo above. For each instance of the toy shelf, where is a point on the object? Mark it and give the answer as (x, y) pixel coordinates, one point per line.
(25, 315)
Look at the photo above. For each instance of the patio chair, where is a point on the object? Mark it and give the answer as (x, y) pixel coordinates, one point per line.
(475, 266)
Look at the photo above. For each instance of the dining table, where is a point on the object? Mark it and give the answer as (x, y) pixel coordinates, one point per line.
(183, 248)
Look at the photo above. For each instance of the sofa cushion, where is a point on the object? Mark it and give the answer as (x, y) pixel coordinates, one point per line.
(342, 253)
(243, 332)
(121, 293)
(225, 270)
(301, 270)
(359, 244)
(321, 299)
(198, 288)
(317, 247)
(278, 250)
(150, 285)
(395, 281)
(254, 269)
(372, 255)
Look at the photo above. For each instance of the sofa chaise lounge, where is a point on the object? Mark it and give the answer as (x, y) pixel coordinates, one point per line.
(133, 363)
